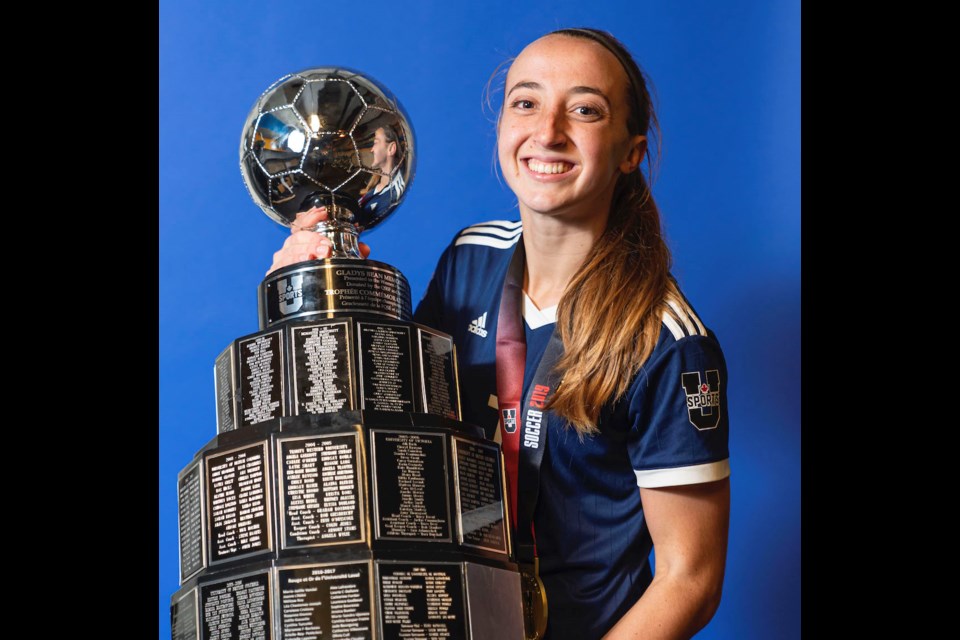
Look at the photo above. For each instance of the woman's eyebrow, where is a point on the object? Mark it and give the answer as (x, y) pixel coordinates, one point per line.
(590, 90)
(529, 84)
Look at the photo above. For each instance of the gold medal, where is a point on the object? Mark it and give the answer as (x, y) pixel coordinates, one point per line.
(534, 601)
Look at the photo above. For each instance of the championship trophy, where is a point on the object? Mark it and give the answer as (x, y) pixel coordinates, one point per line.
(342, 496)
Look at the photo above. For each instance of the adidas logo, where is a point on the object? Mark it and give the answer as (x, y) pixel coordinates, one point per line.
(478, 326)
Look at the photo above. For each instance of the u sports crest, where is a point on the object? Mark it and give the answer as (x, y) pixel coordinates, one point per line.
(509, 420)
(703, 398)
(290, 291)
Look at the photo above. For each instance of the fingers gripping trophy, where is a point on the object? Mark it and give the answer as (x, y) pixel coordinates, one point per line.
(341, 497)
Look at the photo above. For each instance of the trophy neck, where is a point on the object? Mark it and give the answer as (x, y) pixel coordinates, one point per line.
(343, 240)
(341, 229)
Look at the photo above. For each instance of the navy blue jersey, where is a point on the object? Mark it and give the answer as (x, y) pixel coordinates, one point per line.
(376, 203)
(670, 428)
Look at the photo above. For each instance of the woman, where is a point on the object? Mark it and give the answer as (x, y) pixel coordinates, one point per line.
(384, 189)
(629, 451)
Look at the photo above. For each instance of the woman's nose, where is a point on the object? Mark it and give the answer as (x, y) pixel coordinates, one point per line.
(550, 131)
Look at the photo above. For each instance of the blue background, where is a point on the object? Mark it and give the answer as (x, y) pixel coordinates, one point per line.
(727, 76)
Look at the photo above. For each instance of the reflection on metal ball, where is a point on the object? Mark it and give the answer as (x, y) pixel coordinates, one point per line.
(328, 136)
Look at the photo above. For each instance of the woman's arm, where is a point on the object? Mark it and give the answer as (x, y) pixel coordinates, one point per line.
(688, 525)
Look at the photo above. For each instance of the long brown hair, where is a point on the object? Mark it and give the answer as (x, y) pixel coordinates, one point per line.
(610, 315)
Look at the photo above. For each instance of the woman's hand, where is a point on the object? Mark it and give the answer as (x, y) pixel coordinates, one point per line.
(306, 245)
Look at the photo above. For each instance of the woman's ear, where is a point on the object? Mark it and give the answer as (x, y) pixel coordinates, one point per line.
(638, 149)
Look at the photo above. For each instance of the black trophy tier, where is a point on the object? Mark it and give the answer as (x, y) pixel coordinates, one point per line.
(342, 497)
(328, 366)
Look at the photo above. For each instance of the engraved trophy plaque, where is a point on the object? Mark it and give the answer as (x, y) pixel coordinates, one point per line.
(342, 496)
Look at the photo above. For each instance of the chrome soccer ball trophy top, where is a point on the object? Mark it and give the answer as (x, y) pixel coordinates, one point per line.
(328, 136)
(332, 137)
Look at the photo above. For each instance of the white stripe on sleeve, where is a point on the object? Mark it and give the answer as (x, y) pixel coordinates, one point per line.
(708, 472)
(673, 326)
(703, 330)
(684, 317)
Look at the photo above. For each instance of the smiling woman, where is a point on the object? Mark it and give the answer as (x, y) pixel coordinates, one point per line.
(562, 134)
(603, 384)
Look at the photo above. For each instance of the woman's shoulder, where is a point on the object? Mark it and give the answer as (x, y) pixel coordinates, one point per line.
(685, 340)
(482, 247)
(685, 376)
(472, 266)
(679, 319)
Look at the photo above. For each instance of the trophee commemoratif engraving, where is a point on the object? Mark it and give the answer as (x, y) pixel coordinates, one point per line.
(356, 288)
(365, 289)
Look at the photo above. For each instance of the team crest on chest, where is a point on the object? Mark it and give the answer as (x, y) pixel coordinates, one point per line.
(703, 398)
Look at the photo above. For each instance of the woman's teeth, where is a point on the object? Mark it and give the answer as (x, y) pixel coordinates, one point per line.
(548, 167)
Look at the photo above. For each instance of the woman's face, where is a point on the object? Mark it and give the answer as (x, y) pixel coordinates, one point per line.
(380, 150)
(562, 136)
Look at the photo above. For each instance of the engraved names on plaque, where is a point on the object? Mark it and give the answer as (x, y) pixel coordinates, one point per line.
(237, 609)
(321, 491)
(190, 507)
(478, 495)
(261, 377)
(328, 601)
(183, 617)
(411, 485)
(386, 367)
(438, 375)
(321, 358)
(237, 503)
(421, 601)
(224, 385)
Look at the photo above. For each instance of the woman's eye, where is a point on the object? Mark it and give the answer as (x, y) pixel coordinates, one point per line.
(523, 104)
(587, 111)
